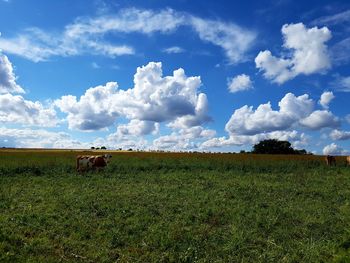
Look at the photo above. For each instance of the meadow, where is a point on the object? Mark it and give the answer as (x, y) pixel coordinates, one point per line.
(173, 207)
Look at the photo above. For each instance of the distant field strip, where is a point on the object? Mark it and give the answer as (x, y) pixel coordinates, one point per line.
(173, 207)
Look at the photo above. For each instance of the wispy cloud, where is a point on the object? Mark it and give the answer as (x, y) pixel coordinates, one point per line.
(88, 35)
(173, 50)
(333, 19)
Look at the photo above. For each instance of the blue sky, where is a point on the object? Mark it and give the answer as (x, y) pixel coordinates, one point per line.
(175, 75)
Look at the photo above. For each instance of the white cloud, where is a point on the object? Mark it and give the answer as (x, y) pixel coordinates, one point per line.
(309, 54)
(347, 118)
(240, 83)
(333, 149)
(37, 45)
(173, 50)
(320, 119)
(138, 128)
(183, 139)
(342, 83)
(339, 135)
(246, 121)
(340, 52)
(326, 98)
(15, 109)
(95, 109)
(153, 98)
(95, 65)
(7, 77)
(238, 140)
(87, 35)
(234, 40)
(117, 140)
(333, 19)
(29, 138)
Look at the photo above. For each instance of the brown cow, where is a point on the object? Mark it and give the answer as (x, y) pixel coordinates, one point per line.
(92, 162)
(348, 160)
(330, 160)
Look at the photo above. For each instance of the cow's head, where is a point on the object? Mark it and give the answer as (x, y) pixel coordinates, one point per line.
(107, 157)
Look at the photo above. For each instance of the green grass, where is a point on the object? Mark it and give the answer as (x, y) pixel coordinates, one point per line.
(174, 208)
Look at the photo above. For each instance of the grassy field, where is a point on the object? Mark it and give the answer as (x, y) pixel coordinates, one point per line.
(162, 207)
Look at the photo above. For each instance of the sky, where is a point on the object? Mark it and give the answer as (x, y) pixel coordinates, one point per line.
(182, 75)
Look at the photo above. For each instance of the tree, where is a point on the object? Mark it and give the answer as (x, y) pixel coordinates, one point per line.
(103, 148)
(274, 146)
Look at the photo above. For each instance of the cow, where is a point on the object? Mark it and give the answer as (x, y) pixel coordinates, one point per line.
(92, 162)
(348, 160)
(330, 160)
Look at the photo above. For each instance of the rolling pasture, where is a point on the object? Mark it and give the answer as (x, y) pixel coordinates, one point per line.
(173, 207)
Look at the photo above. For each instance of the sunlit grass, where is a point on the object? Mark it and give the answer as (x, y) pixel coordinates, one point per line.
(173, 207)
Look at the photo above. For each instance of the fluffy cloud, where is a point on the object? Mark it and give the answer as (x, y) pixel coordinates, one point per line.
(240, 83)
(184, 139)
(249, 126)
(238, 140)
(86, 35)
(320, 119)
(339, 135)
(138, 128)
(309, 54)
(7, 77)
(29, 138)
(246, 121)
(333, 149)
(153, 98)
(326, 98)
(15, 109)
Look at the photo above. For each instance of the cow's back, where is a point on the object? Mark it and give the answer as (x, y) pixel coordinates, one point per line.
(99, 162)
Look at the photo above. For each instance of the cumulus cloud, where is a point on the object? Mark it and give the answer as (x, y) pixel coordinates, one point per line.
(238, 140)
(333, 149)
(30, 138)
(246, 121)
(183, 139)
(240, 83)
(95, 109)
(309, 54)
(339, 135)
(320, 119)
(7, 77)
(138, 128)
(249, 126)
(326, 98)
(153, 98)
(87, 35)
(15, 109)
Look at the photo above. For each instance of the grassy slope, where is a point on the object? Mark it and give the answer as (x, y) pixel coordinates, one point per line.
(165, 208)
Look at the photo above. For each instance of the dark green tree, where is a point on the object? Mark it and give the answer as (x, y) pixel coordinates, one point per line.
(274, 146)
